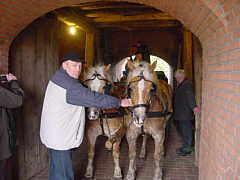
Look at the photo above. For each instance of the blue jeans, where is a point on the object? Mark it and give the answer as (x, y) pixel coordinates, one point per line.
(61, 165)
(185, 127)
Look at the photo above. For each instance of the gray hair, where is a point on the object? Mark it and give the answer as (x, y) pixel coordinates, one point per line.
(179, 72)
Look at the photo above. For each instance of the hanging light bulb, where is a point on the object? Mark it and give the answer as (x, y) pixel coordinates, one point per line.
(73, 30)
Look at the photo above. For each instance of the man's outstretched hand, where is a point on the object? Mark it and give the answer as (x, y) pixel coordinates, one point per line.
(126, 102)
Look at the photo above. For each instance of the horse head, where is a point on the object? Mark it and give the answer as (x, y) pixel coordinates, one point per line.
(142, 88)
(97, 79)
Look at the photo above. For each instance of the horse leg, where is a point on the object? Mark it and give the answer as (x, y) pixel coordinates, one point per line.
(132, 138)
(91, 153)
(143, 148)
(117, 169)
(158, 154)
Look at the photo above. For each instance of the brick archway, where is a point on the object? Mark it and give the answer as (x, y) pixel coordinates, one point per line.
(216, 23)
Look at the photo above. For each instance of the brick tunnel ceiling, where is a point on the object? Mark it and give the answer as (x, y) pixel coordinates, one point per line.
(116, 15)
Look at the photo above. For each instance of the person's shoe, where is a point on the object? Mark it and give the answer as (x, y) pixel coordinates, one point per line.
(184, 151)
(179, 150)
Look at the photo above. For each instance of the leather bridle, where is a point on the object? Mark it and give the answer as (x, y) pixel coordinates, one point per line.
(108, 85)
(153, 92)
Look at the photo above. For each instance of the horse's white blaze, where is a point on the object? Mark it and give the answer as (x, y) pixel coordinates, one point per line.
(140, 91)
(141, 110)
(95, 85)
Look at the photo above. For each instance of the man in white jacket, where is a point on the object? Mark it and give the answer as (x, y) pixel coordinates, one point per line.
(63, 114)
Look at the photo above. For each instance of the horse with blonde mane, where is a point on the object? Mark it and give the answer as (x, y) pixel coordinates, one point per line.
(151, 110)
(108, 123)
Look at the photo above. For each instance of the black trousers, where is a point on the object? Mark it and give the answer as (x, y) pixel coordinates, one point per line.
(186, 129)
(2, 169)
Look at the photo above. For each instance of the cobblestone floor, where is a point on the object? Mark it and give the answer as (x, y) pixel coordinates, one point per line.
(174, 166)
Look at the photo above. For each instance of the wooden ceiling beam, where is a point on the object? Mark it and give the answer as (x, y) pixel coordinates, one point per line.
(122, 18)
(140, 24)
(119, 11)
(108, 6)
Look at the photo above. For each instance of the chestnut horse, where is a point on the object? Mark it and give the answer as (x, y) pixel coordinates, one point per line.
(108, 123)
(151, 110)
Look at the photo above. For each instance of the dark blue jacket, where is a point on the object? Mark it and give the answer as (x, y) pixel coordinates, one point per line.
(77, 94)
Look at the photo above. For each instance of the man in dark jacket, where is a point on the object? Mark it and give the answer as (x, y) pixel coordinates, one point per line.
(63, 114)
(11, 97)
(184, 109)
(143, 50)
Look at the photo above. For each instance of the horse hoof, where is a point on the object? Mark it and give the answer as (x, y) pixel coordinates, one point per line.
(118, 177)
(117, 174)
(88, 174)
(130, 176)
(157, 178)
(158, 175)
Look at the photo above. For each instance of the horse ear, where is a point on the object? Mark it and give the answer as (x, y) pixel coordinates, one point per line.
(106, 68)
(154, 65)
(130, 65)
(84, 72)
(86, 69)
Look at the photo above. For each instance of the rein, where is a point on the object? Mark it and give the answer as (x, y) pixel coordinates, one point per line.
(157, 114)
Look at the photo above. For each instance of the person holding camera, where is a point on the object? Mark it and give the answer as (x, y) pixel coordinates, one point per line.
(10, 97)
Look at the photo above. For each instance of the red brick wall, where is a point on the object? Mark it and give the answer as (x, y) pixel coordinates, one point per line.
(217, 24)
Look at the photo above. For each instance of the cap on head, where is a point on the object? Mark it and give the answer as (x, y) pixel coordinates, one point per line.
(72, 56)
(179, 72)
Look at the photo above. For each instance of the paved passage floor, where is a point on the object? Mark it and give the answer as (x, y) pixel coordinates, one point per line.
(174, 166)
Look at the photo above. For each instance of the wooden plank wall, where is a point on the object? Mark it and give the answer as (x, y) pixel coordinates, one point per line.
(34, 59)
(161, 43)
(197, 63)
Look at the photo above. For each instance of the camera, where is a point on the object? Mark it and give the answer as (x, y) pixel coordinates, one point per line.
(3, 78)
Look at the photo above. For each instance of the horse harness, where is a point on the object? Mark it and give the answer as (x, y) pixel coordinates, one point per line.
(153, 93)
(110, 116)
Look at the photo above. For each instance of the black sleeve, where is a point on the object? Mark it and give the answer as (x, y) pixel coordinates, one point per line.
(190, 97)
(12, 97)
(79, 95)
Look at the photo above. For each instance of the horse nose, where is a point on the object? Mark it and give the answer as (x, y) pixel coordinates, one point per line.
(141, 120)
(93, 115)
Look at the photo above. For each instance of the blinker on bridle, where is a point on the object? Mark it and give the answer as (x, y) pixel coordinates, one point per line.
(108, 85)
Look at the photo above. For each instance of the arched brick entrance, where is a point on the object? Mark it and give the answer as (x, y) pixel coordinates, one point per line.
(216, 24)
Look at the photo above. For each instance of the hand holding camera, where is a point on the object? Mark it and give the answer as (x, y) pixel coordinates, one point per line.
(7, 77)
